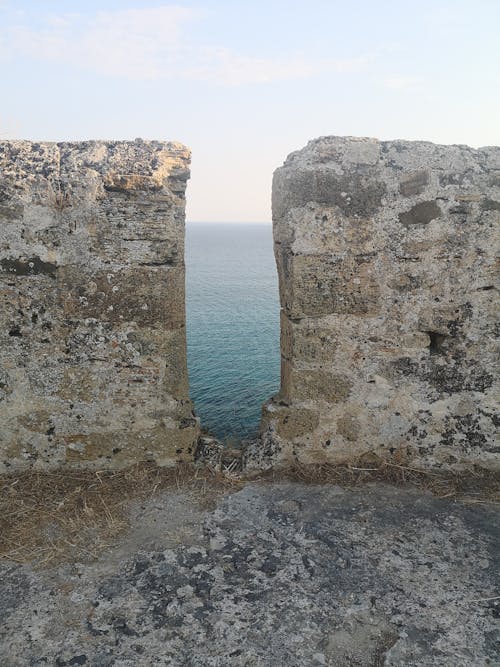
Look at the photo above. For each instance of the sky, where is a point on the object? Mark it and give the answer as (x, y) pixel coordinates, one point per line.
(243, 84)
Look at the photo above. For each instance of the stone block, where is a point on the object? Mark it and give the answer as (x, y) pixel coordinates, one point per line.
(307, 340)
(321, 285)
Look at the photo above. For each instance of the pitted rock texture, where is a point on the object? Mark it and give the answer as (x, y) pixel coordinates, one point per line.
(386, 259)
(279, 574)
(92, 323)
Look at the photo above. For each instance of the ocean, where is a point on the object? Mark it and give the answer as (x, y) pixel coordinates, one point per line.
(232, 311)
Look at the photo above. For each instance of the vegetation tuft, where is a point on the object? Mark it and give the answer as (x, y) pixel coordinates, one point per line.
(57, 198)
(472, 486)
(73, 515)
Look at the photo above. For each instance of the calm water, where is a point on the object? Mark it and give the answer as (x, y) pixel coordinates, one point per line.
(232, 325)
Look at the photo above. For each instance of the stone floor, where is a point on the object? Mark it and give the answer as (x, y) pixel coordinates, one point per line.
(277, 574)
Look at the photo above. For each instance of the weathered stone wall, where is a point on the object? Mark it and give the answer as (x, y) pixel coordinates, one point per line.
(92, 324)
(386, 261)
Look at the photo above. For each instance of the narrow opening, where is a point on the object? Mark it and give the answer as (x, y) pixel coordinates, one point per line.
(232, 313)
(436, 342)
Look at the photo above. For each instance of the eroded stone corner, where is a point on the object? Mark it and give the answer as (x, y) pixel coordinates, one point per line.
(92, 319)
(388, 286)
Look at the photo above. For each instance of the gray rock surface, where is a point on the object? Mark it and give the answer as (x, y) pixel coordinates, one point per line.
(386, 254)
(277, 574)
(92, 325)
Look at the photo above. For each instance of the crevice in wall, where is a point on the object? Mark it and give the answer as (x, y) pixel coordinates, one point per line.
(436, 341)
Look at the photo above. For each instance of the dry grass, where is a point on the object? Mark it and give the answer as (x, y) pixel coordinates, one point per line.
(68, 515)
(56, 197)
(477, 486)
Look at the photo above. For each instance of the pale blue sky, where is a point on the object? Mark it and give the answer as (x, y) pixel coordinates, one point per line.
(245, 83)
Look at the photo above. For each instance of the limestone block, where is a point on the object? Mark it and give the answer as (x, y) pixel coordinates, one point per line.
(386, 255)
(92, 317)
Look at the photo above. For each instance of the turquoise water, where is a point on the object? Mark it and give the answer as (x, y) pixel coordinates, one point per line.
(232, 310)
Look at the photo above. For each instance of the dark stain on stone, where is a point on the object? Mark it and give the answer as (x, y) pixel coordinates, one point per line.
(436, 342)
(187, 422)
(112, 588)
(464, 428)
(168, 261)
(75, 660)
(414, 183)
(13, 212)
(449, 378)
(95, 632)
(464, 312)
(33, 266)
(494, 179)
(140, 565)
(355, 194)
(420, 214)
(453, 178)
(4, 191)
(365, 258)
(120, 625)
(130, 184)
(490, 205)
(405, 366)
(5, 388)
(495, 418)
(460, 209)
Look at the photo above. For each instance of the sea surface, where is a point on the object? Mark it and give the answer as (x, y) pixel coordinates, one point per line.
(232, 309)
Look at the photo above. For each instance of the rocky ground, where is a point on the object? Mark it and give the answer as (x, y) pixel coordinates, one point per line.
(277, 574)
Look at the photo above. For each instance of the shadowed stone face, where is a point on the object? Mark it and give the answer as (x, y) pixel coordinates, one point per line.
(388, 285)
(92, 324)
(28, 267)
(420, 214)
(355, 194)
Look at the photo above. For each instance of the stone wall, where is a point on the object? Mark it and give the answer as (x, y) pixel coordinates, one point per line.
(386, 261)
(92, 324)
